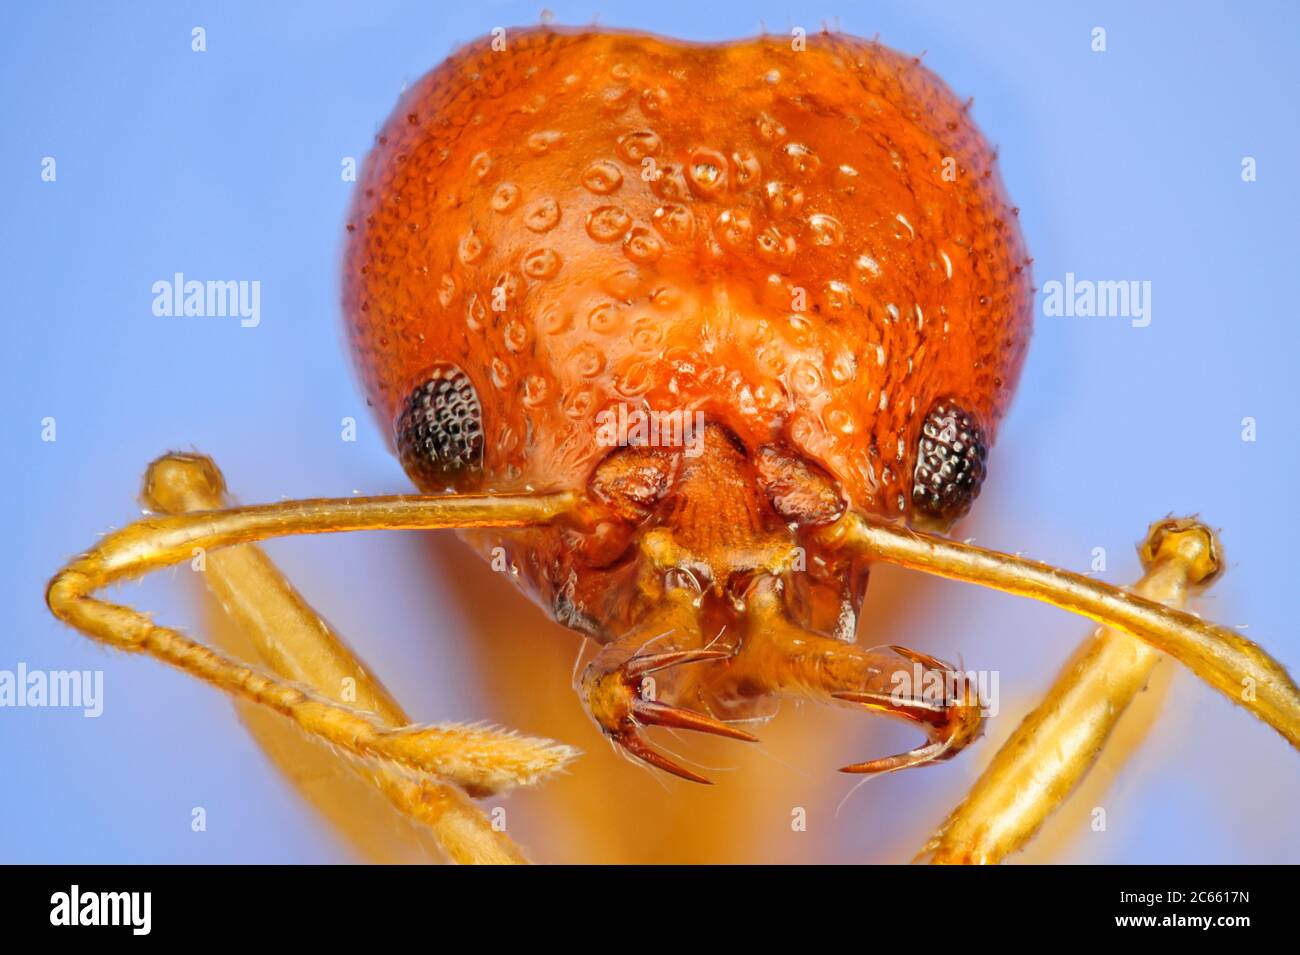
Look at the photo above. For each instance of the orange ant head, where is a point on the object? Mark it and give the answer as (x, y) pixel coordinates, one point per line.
(808, 247)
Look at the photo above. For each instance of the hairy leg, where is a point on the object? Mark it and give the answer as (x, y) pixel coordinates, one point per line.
(478, 759)
(388, 815)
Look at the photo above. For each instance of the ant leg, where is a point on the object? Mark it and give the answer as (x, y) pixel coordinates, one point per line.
(778, 657)
(479, 759)
(615, 685)
(1059, 742)
(1222, 658)
(389, 816)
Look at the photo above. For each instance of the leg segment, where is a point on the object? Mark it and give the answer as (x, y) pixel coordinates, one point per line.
(614, 684)
(1226, 660)
(1056, 745)
(479, 759)
(259, 616)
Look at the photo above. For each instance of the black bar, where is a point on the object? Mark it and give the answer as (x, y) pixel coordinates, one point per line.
(916, 907)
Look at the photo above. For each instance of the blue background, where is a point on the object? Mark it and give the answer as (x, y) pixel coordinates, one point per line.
(225, 164)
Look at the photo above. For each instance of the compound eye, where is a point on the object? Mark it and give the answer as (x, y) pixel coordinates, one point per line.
(949, 463)
(440, 432)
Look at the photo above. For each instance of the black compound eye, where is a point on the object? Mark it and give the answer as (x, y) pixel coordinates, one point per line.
(440, 432)
(949, 463)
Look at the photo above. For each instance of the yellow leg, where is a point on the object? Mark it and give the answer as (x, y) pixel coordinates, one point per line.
(1057, 744)
(1226, 660)
(385, 814)
(481, 760)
